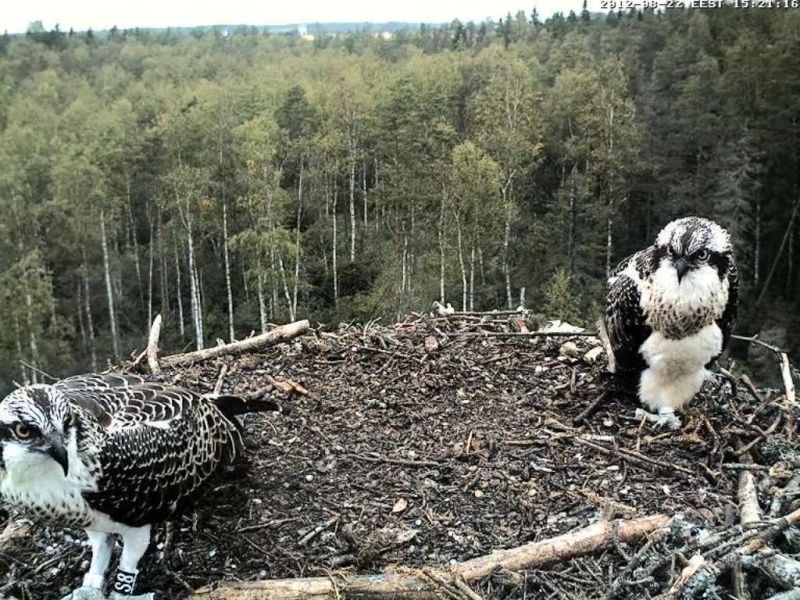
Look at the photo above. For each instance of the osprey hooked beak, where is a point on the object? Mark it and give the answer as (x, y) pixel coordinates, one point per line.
(58, 452)
(681, 267)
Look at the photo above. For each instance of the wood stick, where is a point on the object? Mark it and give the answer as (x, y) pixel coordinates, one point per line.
(523, 333)
(753, 339)
(589, 410)
(152, 345)
(748, 499)
(783, 358)
(586, 540)
(284, 333)
(761, 437)
(363, 587)
(465, 589)
(220, 380)
(786, 374)
(632, 456)
(406, 584)
(488, 313)
(695, 563)
(316, 531)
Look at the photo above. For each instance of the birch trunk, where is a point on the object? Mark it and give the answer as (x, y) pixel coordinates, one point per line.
(352, 206)
(506, 268)
(411, 260)
(364, 191)
(573, 217)
(89, 321)
(245, 282)
(404, 267)
(227, 268)
(297, 242)
(81, 325)
(472, 278)
(194, 293)
(32, 341)
(286, 288)
(181, 327)
(262, 309)
(609, 239)
(441, 251)
(18, 337)
(375, 181)
(334, 253)
(150, 270)
(134, 242)
(273, 297)
(463, 268)
(112, 315)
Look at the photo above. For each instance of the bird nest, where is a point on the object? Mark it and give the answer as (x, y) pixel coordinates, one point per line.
(420, 451)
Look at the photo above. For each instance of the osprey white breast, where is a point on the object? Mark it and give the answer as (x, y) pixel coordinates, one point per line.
(670, 311)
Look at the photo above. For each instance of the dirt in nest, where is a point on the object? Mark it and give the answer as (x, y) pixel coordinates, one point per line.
(426, 444)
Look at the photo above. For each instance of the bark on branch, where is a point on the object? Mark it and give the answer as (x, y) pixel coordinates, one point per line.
(284, 333)
(152, 345)
(408, 584)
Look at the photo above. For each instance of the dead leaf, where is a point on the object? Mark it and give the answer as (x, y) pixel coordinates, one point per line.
(400, 506)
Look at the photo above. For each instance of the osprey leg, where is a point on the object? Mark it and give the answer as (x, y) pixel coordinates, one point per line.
(92, 588)
(134, 544)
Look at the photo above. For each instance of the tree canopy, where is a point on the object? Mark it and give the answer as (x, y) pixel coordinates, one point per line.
(229, 180)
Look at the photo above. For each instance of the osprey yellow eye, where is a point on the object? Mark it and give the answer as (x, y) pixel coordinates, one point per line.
(22, 431)
(702, 254)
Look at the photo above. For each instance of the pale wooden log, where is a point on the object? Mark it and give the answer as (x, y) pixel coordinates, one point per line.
(152, 345)
(569, 545)
(786, 375)
(406, 584)
(284, 333)
(387, 585)
(748, 499)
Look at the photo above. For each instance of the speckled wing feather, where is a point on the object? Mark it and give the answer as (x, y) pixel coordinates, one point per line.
(625, 321)
(727, 321)
(161, 444)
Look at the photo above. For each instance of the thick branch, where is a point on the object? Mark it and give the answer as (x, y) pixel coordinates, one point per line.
(409, 585)
(748, 499)
(586, 540)
(152, 345)
(284, 333)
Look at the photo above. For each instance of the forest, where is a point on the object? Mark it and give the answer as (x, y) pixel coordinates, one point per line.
(231, 179)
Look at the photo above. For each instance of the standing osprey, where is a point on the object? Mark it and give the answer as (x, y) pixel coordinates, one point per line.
(113, 454)
(670, 311)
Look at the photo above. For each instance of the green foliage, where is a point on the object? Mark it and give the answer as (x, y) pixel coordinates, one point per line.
(363, 176)
(560, 299)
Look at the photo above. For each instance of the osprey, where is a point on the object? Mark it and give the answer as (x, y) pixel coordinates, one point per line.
(670, 311)
(113, 454)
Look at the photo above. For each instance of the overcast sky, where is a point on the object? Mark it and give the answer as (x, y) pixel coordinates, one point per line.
(15, 16)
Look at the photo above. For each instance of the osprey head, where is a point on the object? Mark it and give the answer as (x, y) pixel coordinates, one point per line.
(37, 424)
(694, 248)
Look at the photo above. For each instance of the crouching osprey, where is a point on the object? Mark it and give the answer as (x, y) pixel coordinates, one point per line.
(670, 311)
(113, 454)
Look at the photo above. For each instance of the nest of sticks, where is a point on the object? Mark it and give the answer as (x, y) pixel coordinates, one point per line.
(463, 456)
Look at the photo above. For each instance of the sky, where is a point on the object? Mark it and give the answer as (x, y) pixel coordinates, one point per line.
(15, 16)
